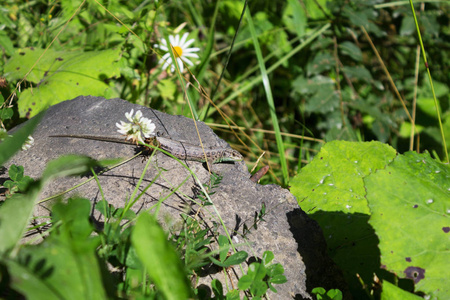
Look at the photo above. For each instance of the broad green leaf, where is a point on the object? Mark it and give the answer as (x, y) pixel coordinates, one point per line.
(68, 272)
(324, 101)
(333, 181)
(410, 204)
(29, 283)
(358, 73)
(322, 61)
(390, 291)
(76, 227)
(160, 258)
(14, 215)
(427, 106)
(6, 44)
(60, 76)
(331, 190)
(16, 211)
(167, 89)
(317, 9)
(312, 85)
(295, 18)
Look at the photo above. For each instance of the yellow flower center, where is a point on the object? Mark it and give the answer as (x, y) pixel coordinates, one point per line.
(178, 51)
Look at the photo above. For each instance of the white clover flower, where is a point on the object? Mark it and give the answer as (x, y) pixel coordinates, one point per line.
(182, 52)
(28, 143)
(139, 126)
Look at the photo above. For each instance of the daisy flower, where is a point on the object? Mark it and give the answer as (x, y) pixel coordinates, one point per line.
(182, 52)
(138, 127)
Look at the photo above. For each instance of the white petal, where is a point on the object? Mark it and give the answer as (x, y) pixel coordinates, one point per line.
(138, 115)
(163, 47)
(183, 40)
(187, 61)
(167, 63)
(172, 40)
(180, 64)
(190, 55)
(188, 50)
(129, 115)
(165, 57)
(188, 43)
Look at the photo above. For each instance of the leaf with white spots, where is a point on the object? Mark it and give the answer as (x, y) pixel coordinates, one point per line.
(331, 190)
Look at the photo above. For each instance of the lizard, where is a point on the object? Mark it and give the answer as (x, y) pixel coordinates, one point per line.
(181, 150)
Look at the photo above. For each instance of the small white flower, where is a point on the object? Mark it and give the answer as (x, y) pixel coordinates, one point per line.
(139, 126)
(28, 143)
(182, 52)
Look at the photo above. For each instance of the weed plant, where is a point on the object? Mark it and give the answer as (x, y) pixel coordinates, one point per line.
(279, 78)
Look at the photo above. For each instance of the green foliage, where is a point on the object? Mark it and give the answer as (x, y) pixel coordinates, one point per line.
(261, 276)
(410, 217)
(61, 75)
(391, 291)
(327, 81)
(380, 211)
(18, 182)
(322, 294)
(160, 258)
(11, 144)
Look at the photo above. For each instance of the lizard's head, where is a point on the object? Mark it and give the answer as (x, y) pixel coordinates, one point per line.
(233, 155)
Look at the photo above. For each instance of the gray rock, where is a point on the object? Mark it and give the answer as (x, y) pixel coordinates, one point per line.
(286, 230)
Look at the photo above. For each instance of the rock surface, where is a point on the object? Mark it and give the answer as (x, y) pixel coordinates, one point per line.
(295, 240)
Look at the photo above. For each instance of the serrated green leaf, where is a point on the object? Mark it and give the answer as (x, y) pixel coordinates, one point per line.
(350, 49)
(60, 76)
(410, 203)
(160, 258)
(324, 101)
(6, 113)
(358, 73)
(323, 61)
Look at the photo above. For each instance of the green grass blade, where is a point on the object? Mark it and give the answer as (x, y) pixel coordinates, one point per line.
(269, 97)
(431, 81)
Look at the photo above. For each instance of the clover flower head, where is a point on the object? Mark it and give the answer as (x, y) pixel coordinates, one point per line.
(182, 52)
(138, 127)
(28, 143)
